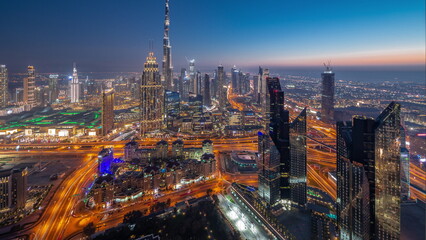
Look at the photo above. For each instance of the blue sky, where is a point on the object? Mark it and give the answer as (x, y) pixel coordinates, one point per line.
(113, 35)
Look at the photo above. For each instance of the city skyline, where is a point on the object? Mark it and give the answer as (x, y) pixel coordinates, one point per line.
(108, 37)
(272, 120)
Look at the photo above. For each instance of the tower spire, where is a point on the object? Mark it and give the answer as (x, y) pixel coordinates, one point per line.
(167, 73)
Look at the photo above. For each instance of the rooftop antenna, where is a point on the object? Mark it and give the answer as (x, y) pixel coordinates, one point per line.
(328, 67)
(151, 45)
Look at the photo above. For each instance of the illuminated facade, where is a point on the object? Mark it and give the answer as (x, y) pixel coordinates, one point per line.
(53, 88)
(107, 111)
(152, 97)
(298, 159)
(388, 173)
(368, 176)
(269, 170)
(29, 88)
(167, 52)
(3, 86)
(75, 86)
(13, 188)
(327, 95)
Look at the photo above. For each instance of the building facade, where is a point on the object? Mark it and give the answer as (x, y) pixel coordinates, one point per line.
(75, 86)
(29, 88)
(221, 90)
(207, 100)
(369, 177)
(4, 92)
(298, 159)
(152, 97)
(327, 95)
(167, 52)
(13, 188)
(107, 111)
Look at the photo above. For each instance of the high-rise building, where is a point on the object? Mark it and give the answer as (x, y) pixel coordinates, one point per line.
(235, 79)
(269, 170)
(29, 88)
(263, 94)
(207, 101)
(13, 188)
(107, 111)
(152, 96)
(214, 86)
(75, 86)
(298, 159)
(181, 80)
(368, 176)
(327, 95)
(4, 93)
(388, 173)
(53, 91)
(172, 108)
(259, 85)
(405, 167)
(198, 85)
(167, 52)
(286, 153)
(221, 92)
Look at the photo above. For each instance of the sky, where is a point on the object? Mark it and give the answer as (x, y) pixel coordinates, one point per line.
(114, 35)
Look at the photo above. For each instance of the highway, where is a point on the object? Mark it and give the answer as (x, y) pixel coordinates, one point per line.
(58, 222)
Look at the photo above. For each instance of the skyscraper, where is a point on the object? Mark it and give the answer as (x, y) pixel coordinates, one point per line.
(167, 52)
(221, 90)
(327, 94)
(405, 167)
(75, 86)
(269, 169)
(197, 86)
(263, 94)
(285, 160)
(388, 173)
(368, 176)
(53, 91)
(107, 111)
(298, 159)
(152, 96)
(235, 80)
(207, 101)
(4, 93)
(29, 88)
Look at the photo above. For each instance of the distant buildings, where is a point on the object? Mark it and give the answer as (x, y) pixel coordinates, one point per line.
(368, 176)
(29, 88)
(327, 95)
(107, 111)
(75, 86)
(167, 52)
(148, 171)
(13, 188)
(4, 92)
(152, 97)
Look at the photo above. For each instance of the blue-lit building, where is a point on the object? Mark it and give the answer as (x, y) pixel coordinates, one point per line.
(105, 160)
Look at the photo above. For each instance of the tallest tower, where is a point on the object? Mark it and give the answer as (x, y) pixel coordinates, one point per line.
(167, 52)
